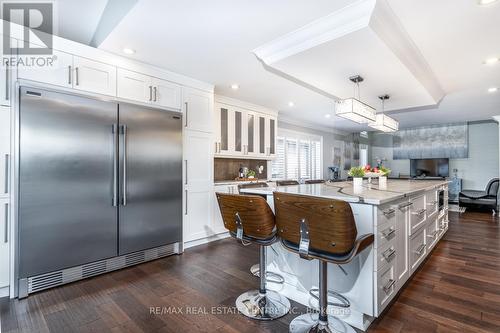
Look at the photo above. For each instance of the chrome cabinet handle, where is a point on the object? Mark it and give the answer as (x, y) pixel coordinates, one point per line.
(388, 232)
(186, 167)
(7, 83)
(115, 164)
(420, 249)
(124, 181)
(186, 115)
(69, 74)
(389, 211)
(76, 76)
(389, 285)
(388, 254)
(405, 205)
(186, 208)
(6, 230)
(7, 174)
(154, 89)
(150, 93)
(420, 212)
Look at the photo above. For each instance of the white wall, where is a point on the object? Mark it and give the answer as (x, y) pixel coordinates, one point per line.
(475, 171)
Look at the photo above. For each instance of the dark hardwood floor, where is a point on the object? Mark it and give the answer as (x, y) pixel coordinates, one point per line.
(456, 290)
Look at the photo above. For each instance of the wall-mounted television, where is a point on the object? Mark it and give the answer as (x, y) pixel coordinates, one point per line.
(430, 167)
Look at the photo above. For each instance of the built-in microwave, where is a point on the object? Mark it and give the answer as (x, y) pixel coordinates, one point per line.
(441, 199)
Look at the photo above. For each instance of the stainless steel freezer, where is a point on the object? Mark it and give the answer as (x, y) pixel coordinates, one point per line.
(97, 179)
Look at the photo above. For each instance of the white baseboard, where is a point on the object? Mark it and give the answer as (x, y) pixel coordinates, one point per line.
(206, 240)
(4, 292)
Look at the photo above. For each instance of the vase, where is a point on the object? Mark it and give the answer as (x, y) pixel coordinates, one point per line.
(357, 182)
(382, 181)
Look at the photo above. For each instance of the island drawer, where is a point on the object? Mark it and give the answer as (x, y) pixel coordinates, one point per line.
(386, 287)
(417, 213)
(385, 233)
(386, 255)
(431, 202)
(386, 214)
(432, 233)
(418, 249)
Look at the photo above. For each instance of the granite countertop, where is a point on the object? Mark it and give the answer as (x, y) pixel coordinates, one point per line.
(372, 194)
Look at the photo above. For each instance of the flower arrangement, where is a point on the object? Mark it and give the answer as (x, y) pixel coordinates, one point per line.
(357, 172)
(385, 171)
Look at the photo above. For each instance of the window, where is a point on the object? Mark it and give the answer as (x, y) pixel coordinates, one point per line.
(298, 156)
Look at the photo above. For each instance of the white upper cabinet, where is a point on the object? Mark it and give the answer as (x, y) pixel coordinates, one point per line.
(134, 86)
(94, 76)
(198, 110)
(59, 73)
(240, 132)
(5, 80)
(166, 94)
(146, 89)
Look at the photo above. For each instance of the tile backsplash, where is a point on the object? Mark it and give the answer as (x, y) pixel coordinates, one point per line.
(228, 168)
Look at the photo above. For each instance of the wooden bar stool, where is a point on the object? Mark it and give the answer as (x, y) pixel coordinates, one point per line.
(249, 219)
(323, 229)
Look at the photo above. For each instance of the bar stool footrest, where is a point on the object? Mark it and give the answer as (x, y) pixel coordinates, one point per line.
(344, 302)
(270, 276)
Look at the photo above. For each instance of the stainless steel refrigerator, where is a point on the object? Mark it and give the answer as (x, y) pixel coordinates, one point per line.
(97, 179)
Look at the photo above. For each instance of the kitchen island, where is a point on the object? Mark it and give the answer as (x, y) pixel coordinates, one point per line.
(407, 217)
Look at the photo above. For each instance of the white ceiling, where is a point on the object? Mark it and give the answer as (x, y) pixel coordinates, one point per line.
(77, 20)
(213, 41)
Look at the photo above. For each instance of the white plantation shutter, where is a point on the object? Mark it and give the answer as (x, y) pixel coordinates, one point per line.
(278, 165)
(298, 156)
(292, 159)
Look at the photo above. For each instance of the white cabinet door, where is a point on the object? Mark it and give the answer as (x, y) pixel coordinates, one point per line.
(222, 129)
(5, 156)
(218, 223)
(272, 136)
(250, 133)
(198, 185)
(166, 94)
(59, 73)
(4, 242)
(262, 135)
(5, 79)
(134, 86)
(94, 76)
(198, 110)
(236, 117)
(402, 243)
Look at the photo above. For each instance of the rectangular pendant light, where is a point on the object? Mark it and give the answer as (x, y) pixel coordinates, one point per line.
(384, 123)
(355, 110)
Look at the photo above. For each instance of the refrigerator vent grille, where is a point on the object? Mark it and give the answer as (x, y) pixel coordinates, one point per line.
(57, 278)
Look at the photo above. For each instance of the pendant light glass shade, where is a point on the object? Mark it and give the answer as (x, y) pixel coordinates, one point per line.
(355, 110)
(385, 123)
(382, 122)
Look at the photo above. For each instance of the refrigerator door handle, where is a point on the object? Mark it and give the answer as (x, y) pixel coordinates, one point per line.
(124, 181)
(115, 166)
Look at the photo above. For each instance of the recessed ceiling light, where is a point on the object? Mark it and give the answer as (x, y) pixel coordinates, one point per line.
(485, 2)
(128, 50)
(235, 86)
(492, 89)
(328, 115)
(291, 104)
(491, 61)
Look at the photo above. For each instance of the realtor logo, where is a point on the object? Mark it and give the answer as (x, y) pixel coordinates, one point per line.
(37, 20)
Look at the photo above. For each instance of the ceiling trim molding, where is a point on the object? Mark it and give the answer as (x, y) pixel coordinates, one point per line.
(496, 118)
(389, 29)
(308, 125)
(339, 23)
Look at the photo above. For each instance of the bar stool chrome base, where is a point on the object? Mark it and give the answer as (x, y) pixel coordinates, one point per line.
(309, 323)
(343, 302)
(268, 306)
